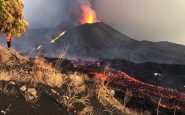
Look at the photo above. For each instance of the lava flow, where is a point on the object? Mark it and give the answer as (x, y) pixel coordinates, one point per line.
(169, 98)
(60, 35)
(39, 47)
(164, 97)
(88, 15)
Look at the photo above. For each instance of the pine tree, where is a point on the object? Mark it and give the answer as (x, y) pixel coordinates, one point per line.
(11, 17)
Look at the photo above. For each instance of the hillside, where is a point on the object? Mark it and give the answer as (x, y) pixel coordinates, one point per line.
(98, 41)
(101, 41)
(33, 86)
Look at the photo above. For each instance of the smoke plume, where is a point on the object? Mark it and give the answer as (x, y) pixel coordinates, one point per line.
(47, 13)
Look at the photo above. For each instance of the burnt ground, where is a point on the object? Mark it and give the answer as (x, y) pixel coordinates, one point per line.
(15, 104)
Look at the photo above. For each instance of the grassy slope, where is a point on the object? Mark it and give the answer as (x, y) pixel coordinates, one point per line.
(76, 93)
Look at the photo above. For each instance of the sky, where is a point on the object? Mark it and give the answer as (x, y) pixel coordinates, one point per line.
(152, 20)
(44, 13)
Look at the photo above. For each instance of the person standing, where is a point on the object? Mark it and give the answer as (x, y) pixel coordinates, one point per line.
(9, 40)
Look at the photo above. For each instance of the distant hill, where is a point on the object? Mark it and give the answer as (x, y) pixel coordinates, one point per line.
(99, 41)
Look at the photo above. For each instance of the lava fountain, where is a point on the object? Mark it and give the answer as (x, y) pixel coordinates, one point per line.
(88, 15)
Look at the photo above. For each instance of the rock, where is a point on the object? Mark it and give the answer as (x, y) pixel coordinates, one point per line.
(2, 111)
(23, 88)
(54, 92)
(32, 92)
(12, 83)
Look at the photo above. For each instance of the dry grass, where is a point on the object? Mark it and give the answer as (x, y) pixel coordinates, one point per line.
(15, 67)
(127, 98)
(75, 94)
(86, 96)
(106, 97)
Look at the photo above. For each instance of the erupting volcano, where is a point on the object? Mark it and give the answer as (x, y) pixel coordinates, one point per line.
(88, 15)
(69, 62)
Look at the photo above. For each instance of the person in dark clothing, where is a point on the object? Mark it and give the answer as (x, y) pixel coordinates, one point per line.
(9, 40)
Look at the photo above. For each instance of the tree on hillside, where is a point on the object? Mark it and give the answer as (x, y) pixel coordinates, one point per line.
(12, 18)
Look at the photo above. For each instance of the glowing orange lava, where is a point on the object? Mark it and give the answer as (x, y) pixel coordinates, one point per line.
(88, 15)
(100, 76)
(163, 97)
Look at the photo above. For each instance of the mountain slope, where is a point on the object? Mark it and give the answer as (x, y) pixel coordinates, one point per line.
(99, 41)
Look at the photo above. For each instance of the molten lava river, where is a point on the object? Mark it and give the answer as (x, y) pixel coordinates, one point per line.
(166, 98)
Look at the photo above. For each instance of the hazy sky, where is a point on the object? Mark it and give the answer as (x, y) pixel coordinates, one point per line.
(156, 20)
(44, 13)
(153, 20)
